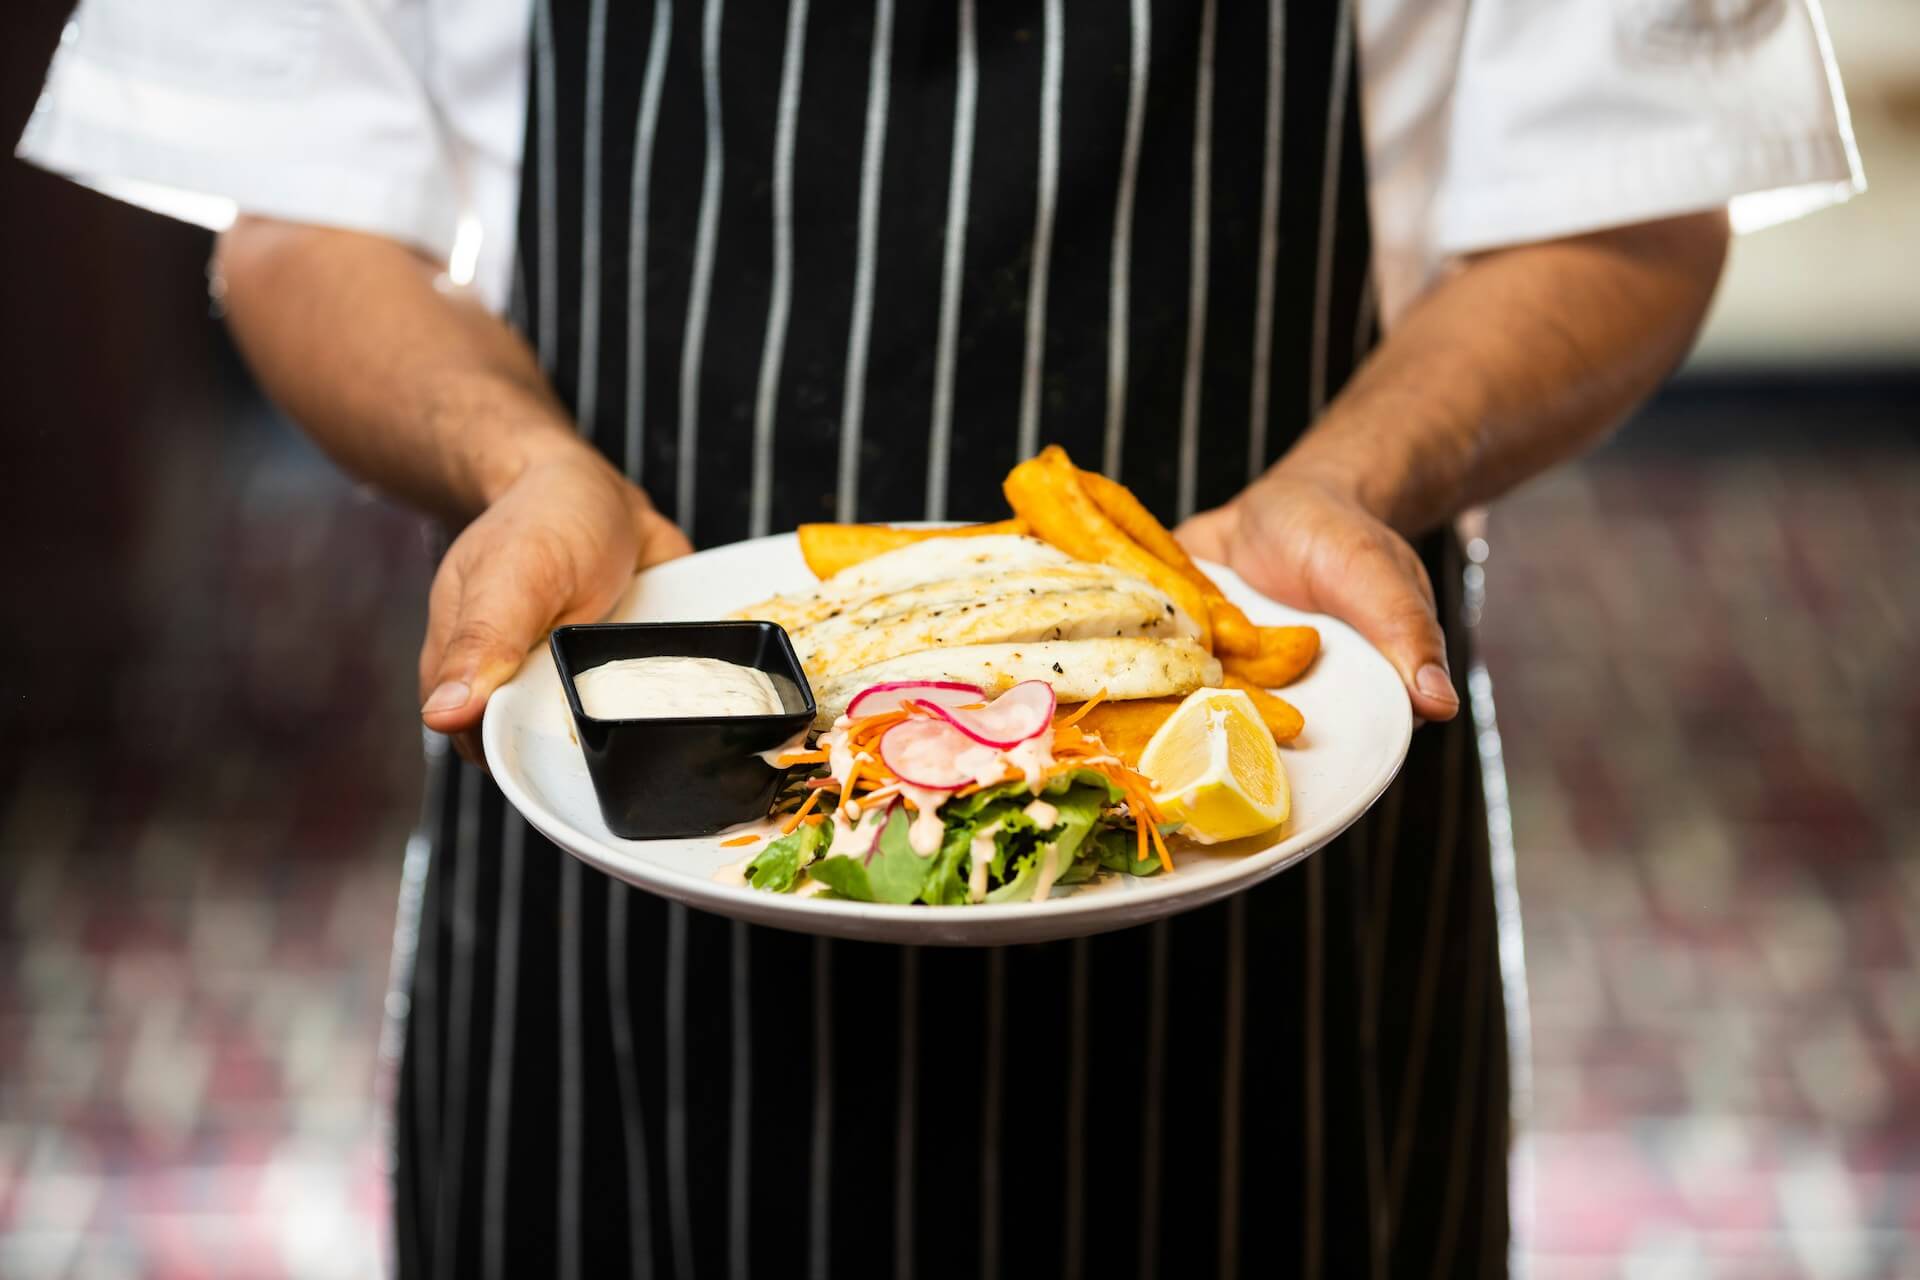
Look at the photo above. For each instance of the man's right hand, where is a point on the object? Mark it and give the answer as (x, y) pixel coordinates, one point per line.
(558, 546)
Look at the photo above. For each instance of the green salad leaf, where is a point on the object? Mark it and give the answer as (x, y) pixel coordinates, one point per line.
(946, 882)
(1080, 807)
(777, 867)
(895, 872)
(1115, 848)
(892, 873)
(1082, 837)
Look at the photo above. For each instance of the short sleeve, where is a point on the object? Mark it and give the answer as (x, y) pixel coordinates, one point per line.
(1569, 118)
(309, 110)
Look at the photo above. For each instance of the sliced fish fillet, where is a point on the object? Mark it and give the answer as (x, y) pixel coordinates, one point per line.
(1063, 603)
(931, 561)
(1126, 667)
(996, 590)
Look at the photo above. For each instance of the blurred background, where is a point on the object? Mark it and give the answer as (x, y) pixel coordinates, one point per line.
(1702, 641)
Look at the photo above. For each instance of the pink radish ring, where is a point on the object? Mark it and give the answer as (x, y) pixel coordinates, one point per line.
(1022, 712)
(878, 699)
(925, 753)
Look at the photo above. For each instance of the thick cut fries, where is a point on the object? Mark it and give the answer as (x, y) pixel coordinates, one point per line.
(1282, 718)
(1046, 492)
(829, 548)
(1232, 633)
(1285, 652)
(1124, 727)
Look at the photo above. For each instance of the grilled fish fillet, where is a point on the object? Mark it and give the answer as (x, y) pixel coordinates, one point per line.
(934, 560)
(1127, 667)
(1000, 590)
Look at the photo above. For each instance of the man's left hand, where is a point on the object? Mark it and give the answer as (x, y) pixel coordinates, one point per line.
(1306, 544)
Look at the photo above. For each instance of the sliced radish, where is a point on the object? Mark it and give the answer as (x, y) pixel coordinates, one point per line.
(1022, 712)
(925, 753)
(878, 699)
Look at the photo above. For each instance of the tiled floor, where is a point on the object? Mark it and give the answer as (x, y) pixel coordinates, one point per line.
(1705, 664)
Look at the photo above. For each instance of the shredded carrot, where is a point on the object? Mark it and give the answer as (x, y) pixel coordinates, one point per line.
(1085, 707)
(871, 726)
(737, 841)
(793, 823)
(813, 819)
(803, 757)
(1140, 837)
(1166, 859)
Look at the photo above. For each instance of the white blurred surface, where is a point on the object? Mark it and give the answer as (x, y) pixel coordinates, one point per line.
(1842, 286)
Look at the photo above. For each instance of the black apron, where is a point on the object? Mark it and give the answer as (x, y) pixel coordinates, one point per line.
(854, 261)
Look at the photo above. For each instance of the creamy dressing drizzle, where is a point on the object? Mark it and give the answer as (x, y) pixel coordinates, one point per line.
(1032, 758)
(983, 764)
(661, 688)
(1049, 872)
(854, 837)
(927, 828)
(854, 820)
(798, 742)
(980, 858)
(1043, 814)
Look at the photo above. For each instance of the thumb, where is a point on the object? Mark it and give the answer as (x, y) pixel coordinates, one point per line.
(496, 622)
(661, 540)
(1390, 603)
(1209, 534)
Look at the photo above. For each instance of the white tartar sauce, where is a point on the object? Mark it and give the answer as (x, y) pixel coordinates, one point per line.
(659, 688)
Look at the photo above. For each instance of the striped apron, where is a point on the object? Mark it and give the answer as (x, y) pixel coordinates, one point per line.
(853, 261)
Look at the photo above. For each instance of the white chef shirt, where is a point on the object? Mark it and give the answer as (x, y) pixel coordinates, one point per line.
(1487, 122)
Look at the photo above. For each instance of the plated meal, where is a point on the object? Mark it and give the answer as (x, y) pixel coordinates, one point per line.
(1008, 708)
(1039, 728)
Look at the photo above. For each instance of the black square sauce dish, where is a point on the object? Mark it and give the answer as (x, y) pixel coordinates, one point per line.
(674, 776)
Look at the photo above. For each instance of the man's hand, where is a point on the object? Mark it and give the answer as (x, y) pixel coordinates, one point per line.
(559, 546)
(1306, 544)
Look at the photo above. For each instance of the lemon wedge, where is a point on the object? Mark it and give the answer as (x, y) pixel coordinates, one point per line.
(1215, 768)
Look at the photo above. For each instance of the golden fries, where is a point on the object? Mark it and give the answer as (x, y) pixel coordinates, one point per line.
(1284, 652)
(1232, 633)
(829, 548)
(1046, 492)
(1124, 728)
(1282, 718)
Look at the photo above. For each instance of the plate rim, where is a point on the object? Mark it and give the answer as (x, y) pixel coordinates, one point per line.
(1075, 915)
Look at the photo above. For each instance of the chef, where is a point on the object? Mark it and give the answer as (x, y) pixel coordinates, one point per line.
(593, 283)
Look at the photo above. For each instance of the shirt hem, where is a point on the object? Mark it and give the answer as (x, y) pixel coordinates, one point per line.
(1668, 181)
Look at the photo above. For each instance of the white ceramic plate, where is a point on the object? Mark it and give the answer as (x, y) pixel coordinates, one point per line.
(1358, 726)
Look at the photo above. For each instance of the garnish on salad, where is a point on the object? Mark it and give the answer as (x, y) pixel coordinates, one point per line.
(931, 791)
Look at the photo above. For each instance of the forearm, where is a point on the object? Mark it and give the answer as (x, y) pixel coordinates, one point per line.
(409, 386)
(1520, 359)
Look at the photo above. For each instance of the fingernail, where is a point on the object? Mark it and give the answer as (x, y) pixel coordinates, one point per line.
(1434, 682)
(450, 696)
